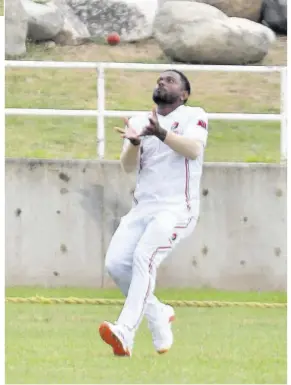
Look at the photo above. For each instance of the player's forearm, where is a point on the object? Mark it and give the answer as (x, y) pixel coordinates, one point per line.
(129, 158)
(187, 147)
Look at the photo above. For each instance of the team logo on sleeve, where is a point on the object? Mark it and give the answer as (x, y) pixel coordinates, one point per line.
(202, 124)
(174, 127)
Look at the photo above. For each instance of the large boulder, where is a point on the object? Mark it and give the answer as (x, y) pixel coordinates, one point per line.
(200, 33)
(15, 28)
(131, 19)
(45, 20)
(74, 31)
(246, 9)
(274, 15)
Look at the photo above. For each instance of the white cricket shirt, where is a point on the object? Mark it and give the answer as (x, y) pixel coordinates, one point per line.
(164, 177)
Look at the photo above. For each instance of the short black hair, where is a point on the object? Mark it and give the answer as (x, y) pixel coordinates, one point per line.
(185, 81)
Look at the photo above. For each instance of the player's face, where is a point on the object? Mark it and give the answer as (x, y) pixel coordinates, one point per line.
(169, 88)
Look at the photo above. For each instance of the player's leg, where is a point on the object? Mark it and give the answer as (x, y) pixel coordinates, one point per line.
(160, 324)
(121, 335)
(118, 264)
(154, 246)
(119, 256)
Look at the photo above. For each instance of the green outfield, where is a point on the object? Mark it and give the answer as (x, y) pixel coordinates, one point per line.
(71, 137)
(59, 344)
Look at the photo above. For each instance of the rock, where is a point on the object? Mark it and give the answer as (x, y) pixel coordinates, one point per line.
(274, 15)
(45, 20)
(15, 28)
(246, 9)
(74, 31)
(131, 19)
(200, 33)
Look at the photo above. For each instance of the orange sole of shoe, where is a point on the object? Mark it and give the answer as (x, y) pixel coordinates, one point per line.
(108, 337)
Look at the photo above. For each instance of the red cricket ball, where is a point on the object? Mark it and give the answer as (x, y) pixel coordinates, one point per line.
(113, 38)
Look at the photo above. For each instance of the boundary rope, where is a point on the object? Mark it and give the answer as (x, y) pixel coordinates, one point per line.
(175, 303)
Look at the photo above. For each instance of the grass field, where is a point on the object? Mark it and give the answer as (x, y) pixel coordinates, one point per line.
(47, 137)
(60, 343)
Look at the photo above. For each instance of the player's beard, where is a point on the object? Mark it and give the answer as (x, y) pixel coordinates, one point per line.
(160, 96)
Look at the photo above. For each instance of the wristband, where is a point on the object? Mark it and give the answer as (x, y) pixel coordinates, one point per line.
(135, 142)
(161, 134)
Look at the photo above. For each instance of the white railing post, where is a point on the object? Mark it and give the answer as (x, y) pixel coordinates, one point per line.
(284, 108)
(101, 109)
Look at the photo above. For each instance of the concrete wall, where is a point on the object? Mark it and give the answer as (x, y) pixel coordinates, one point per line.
(60, 216)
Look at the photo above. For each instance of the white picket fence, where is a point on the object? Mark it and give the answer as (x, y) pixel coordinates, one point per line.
(101, 112)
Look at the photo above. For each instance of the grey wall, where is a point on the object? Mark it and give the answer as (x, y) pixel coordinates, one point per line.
(60, 216)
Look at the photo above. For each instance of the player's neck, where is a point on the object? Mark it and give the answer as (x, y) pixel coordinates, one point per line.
(166, 109)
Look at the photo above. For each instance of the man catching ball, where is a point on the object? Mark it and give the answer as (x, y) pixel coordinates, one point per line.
(166, 148)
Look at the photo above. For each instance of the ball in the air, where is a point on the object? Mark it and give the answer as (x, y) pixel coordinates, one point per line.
(113, 38)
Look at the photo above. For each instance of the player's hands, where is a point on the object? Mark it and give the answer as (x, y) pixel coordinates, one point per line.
(129, 133)
(154, 128)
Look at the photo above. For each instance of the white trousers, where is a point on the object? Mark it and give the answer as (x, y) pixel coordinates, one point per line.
(141, 242)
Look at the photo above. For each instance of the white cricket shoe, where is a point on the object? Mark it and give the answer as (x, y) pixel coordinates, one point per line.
(116, 336)
(161, 330)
